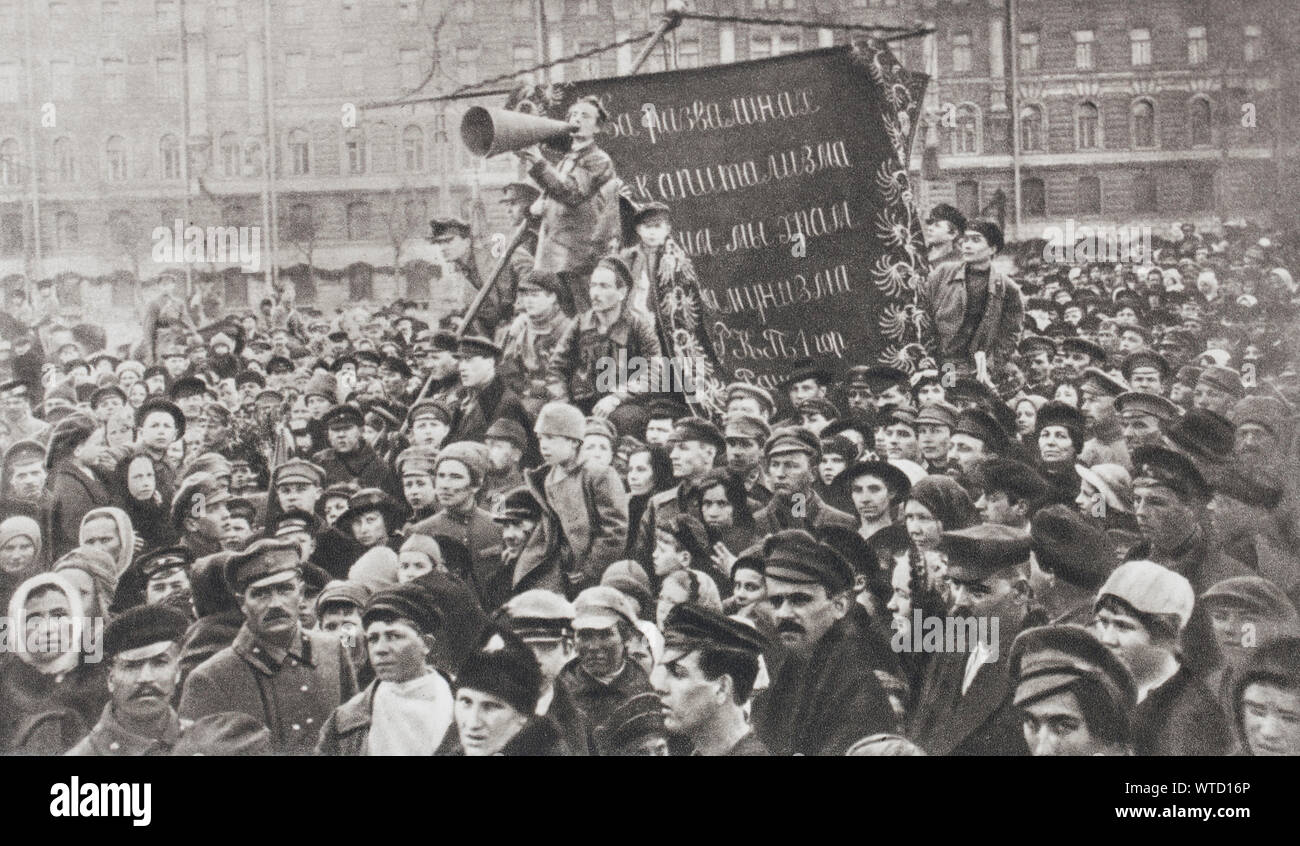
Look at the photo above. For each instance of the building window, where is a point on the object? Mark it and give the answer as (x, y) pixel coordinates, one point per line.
(1143, 114)
(589, 68)
(360, 283)
(688, 53)
(1031, 128)
(352, 11)
(413, 149)
(968, 198)
(522, 10)
(1198, 121)
(10, 163)
(110, 15)
(299, 153)
(1252, 48)
(169, 79)
(295, 72)
(788, 44)
(232, 155)
(1028, 54)
(1144, 193)
(11, 234)
(169, 150)
(165, 14)
(1083, 49)
(354, 72)
(302, 223)
(114, 79)
(1089, 195)
(961, 57)
(439, 129)
(524, 58)
(65, 230)
(354, 145)
(760, 46)
(409, 62)
(965, 135)
(1197, 47)
(1140, 46)
(408, 11)
(1201, 193)
(1033, 198)
(228, 75)
(1087, 127)
(226, 14)
(358, 220)
(9, 82)
(295, 12)
(416, 215)
(65, 160)
(588, 8)
(253, 157)
(115, 159)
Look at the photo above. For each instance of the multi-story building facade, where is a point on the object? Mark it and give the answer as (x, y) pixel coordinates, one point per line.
(1151, 112)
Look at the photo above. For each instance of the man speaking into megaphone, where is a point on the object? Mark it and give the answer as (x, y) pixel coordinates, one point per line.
(579, 209)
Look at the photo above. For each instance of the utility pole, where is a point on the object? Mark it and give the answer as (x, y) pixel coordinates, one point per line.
(1013, 100)
(35, 269)
(270, 217)
(185, 142)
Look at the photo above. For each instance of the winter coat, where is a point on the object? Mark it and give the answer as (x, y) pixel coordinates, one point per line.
(74, 491)
(592, 509)
(943, 295)
(363, 467)
(580, 211)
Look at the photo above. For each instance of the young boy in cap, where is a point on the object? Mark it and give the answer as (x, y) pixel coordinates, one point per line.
(1266, 700)
(533, 553)
(430, 424)
(506, 442)
(591, 506)
(143, 647)
(602, 677)
(415, 465)
(529, 341)
(1140, 615)
(458, 478)
(288, 678)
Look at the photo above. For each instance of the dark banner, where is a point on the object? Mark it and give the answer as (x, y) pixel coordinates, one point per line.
(788, 185)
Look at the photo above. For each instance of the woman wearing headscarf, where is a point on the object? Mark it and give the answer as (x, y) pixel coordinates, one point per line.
(149, 512)
(91, 571)
(110, 529)
(21, 553)
(49, 695)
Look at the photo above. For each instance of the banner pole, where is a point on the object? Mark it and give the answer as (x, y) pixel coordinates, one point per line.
(671, 20)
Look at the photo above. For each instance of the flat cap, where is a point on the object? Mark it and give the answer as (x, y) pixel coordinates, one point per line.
(539, 615)
(1012, 477)
(410, 601)
(1146, 358)
(1270, 412)
(980, 551)
(1255, 593)
(793, 439)
(602, 427)
(164, 559)
(441, 227)
(477, 345)
(938, 414)
(1033, 344)
(1140, 403)
(543, 280)
(416, 460)
(342, 417)
(156, 403)
(1071, 546)
(291, 521)
(1205, 435)
(1223, 379)
(144, 625)
(670, 409)
(637, 717)
(806, 369)
(1047, 659)
(197, 490)
(630, 578)
(430, 408)
(188, 386)
(1151, 589)
(472, 454)
(818, 405)
(1155, 465)
(601, 607)
(746, 426)
(697, 429)
(1083, 345)
(298, 470)
(262, 559)
(366, 500)
(689, 627)
(509, 430)
(757, 392)
(518, 504)
(876, 377)
(793, 555)
(978, 423)
(340, 591)
(1103, 381)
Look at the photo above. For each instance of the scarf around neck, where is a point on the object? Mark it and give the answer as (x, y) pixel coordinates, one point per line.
(410, 718)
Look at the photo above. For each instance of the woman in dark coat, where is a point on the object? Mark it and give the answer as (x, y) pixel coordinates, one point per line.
(74, 487)
(649, 471)
(720, 498)
(136, 487)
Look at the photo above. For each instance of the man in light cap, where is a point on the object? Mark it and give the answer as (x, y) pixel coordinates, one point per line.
(1074, 696)
(143, 646)
(1217, 389)
(745, 435)
(747, 398)
(297, 484)
(1105, 444)
(415, 465)
(289, 679)
(201, 514)
(1140, 614)
(458, 475)
(694, 448)
(964, 707)
(706, 678)
(824, 693)
(1144, 418)
(601, 678)
(1246, 612)
(543, 619)
(792, 457)
(935, 423)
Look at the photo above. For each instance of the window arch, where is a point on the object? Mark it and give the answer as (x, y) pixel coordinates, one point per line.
(115, 159)
(10, 163)
(1199, 115)
(354, 151)
(1033, 197)
(65, 160)
(1087, 126)
(232, 155)
(169, 150)
(965, 135)
(1032, 129)
(253, 157)
(358, 220)
(1142, 114)
(413, 149)
(299, 152)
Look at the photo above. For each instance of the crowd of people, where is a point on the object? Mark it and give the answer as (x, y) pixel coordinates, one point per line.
(401, 533)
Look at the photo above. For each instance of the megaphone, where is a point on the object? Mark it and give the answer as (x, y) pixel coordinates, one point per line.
(488, 131)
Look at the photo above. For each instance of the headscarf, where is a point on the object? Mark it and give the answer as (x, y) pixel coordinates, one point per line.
(376, 569)
(20, 525)
(97, 564)
(947, 501)
(125, 533)
(18, 623)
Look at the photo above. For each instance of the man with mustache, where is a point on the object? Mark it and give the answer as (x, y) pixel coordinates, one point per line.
(823, 694)
(289, 679)
(143, 646)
